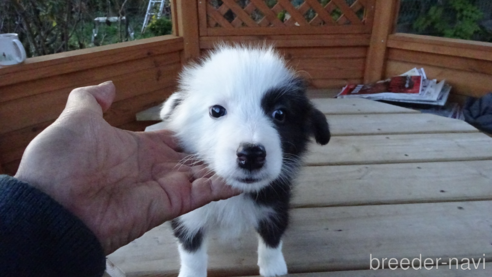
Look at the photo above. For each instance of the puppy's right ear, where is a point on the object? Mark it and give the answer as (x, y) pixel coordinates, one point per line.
(320, 127)
(170, 104)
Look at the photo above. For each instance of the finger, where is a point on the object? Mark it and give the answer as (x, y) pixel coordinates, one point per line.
(97, 99)
(104, 94)
(201, 171)
(206, 190)
(191, 160)
(163, 169)
(168, 137)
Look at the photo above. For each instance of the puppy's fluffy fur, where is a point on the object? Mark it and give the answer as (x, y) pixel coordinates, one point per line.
(245, 114)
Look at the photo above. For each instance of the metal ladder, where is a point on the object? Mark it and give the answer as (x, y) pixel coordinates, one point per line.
(151, 12)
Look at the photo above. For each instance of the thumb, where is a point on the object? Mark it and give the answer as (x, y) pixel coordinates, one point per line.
(97, 99)
(205, 190)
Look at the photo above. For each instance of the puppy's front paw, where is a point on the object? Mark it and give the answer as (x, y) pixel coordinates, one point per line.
(275, 267)
(271, 260)
(193, 264)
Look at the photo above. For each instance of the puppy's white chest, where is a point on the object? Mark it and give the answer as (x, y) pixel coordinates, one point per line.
(227, 218)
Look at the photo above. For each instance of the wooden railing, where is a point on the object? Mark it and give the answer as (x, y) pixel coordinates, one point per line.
(331, 43)
(257, 17)
(325, 41)
(466, 65)
(33, 94)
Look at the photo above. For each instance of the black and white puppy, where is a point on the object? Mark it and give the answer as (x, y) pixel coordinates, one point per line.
(245, 114)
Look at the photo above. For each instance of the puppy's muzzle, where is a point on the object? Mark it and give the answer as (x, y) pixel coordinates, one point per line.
(251, 156)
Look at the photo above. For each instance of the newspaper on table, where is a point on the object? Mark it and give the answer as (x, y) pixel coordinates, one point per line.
(410, 87)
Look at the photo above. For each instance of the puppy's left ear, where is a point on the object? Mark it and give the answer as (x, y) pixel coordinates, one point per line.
(170, 105)
(319, 127)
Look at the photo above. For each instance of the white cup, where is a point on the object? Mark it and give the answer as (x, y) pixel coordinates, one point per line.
(11, 49)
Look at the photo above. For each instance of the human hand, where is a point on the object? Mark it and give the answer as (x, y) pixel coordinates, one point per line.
(119, 183)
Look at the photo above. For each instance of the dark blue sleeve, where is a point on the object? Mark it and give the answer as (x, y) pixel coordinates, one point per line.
(39, 237)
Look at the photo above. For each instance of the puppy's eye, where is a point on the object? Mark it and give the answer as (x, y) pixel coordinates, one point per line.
(279, 115)
(217, 111)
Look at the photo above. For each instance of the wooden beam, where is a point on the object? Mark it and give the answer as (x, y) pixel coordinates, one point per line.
(298, 30)
(292, 41)
(87, 59)
(448, 62)
(31, 110)
(174, 17)
(442, 46)
(86, 77)
(382, 27)
(203, 17)
(188, 28)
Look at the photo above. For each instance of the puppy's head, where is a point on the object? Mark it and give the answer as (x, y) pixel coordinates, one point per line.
(244, 113)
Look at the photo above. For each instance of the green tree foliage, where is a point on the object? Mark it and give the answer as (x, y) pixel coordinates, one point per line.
(44, 26)
(161, 26)
(53, 26)
(453, 19)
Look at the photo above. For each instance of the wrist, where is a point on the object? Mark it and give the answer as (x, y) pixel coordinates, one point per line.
(48, 232)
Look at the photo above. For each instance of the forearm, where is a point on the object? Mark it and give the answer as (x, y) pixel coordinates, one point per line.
(38, 237)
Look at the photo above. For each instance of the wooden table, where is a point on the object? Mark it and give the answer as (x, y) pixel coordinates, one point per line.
(392, 183)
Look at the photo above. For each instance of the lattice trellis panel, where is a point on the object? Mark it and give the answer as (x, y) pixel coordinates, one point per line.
(281, 16)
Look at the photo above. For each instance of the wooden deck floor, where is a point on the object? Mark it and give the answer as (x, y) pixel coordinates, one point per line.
(392, 183)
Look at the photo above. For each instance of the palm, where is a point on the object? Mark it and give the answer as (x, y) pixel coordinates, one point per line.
(119, 183)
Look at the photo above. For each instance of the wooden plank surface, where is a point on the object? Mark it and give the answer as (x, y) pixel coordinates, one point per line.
(440, 272)
(422, 188)
(356, 106)
(374, 184)
(378, 124)
(336, 238)
(401, 149)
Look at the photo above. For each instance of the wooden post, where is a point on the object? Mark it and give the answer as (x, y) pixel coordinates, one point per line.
(187, 21)
(174, 17)
(383, 25)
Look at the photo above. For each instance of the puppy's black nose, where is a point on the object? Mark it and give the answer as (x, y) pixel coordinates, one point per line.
(251, 156)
